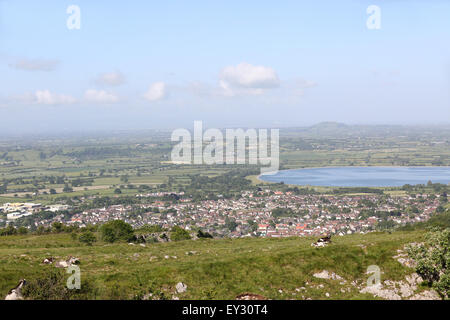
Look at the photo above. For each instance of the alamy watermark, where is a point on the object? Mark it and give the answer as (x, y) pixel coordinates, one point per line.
(211, 147)
(74, 281)
(74, 20)
(374, 20)
(375, 278)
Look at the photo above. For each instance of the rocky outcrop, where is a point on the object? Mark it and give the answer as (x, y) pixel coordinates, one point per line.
(181, 287)
(327, 275)
(403, 259)
(426, 295)
(250, 296)
(403, 289)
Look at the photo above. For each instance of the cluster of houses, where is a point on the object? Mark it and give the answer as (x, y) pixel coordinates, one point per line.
(253, 214)
(160, 194)
(18, 210)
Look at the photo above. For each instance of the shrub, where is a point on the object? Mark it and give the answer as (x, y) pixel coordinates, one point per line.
(22, 230)
(87, 237)
(178, 234)
(67, 189)
(57, 227)
(433, 260)
(8, 231)
(150, 229)
(117, 230)
(41, 230)
(52, 285)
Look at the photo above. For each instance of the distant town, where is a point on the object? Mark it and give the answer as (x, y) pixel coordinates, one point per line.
(264, 213)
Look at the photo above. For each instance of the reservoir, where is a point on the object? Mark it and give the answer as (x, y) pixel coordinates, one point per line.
(361, 176)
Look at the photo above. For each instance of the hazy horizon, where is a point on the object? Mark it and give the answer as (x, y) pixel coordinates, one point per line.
(324, 128)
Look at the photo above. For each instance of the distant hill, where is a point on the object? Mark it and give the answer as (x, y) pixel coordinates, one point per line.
(329, 128)
(337, 129)
(329, 125)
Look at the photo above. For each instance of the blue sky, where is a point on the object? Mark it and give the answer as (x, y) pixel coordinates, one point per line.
(164, 64)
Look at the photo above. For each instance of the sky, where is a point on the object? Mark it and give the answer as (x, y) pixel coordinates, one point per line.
(163, 64)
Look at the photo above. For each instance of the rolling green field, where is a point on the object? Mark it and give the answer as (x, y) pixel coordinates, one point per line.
(30, 169)
(214, 269)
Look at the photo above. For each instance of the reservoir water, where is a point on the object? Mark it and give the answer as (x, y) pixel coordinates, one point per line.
(361, 176)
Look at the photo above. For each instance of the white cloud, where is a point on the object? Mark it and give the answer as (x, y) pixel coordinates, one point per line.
(100, 96)
(43, 97)
(35, 65)
(46, 97)
(156, 91)
(111, 78)
(247, 79)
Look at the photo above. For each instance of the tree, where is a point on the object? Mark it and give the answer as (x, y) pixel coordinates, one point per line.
(253, 225)
(117, 230)
(40, 230)
(230, 224)
(3, 188)
(272, 224)
(8, 231)
(433, 260)
(117, 191)
(67, 188)
(57, 227)
(281, 212)
(42, 156)
(22, 230)
(178, 234)
(87, 237)
(52, 191)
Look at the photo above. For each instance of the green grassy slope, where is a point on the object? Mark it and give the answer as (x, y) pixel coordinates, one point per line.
(219, 269)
